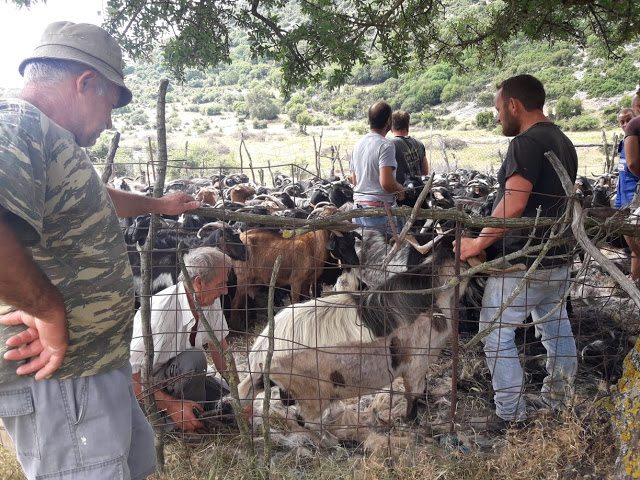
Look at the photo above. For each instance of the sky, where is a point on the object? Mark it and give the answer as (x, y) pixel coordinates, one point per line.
(20, 29)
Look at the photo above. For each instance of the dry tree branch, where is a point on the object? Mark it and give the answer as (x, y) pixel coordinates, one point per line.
(226, 355)
(267, 364)
(581, 235)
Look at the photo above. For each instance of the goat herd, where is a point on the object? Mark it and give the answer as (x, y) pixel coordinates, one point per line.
(375, 325)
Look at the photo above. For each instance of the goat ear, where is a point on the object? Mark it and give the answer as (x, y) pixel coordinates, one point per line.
(356, 234)
(331, 244)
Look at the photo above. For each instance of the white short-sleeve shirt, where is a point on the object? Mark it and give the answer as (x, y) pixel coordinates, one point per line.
(171, 324)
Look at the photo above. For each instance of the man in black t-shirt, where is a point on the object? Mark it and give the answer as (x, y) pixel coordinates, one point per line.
(527, 182)
(410, 152)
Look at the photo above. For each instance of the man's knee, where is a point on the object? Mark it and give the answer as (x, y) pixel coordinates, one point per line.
(189, 361)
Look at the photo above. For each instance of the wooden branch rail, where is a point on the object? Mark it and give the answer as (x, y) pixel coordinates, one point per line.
(338, 221)
(582, 238)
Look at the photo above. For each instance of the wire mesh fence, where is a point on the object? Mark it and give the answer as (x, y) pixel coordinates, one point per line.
(387, 351)
(325, 156)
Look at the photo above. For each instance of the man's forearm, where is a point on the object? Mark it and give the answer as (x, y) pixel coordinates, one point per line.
(632, 152)
(163, 399)
(23, 285)
(131, 204)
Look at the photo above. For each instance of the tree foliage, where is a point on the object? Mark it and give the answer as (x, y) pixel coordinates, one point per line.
(261, 105)
(485, 120)
(566, 108)
(328, 39)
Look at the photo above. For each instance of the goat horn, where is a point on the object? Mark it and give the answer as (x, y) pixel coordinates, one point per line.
(423, 249)
(216, 225)
(426, 248)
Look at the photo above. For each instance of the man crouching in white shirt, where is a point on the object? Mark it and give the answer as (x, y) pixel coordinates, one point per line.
(181, 386)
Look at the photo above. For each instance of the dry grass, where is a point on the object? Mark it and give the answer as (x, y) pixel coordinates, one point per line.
(284, 147)
(578, 445)
(9, 466)
(569, 447)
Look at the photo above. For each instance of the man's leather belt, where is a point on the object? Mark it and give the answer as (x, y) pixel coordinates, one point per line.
(371, 204)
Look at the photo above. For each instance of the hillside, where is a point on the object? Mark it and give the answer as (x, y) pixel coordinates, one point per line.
(209, 114)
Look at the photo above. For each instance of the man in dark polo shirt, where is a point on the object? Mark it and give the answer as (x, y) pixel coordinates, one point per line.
(527, 182)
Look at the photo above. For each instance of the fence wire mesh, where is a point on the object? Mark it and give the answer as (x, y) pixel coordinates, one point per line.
(378, 354)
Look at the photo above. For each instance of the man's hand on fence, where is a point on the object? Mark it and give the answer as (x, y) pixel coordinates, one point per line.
(177, 203)
(469, 247)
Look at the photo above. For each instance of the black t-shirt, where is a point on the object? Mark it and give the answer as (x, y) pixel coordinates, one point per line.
(525, 156)
(409, 155)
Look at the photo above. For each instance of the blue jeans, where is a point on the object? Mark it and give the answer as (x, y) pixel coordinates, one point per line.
(80, 428)
(546, 289)
(380, 224)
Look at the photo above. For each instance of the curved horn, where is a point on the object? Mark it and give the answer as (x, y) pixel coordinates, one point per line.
(213, 225)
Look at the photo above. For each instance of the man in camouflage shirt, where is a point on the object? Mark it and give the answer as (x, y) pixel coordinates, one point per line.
(66, 289)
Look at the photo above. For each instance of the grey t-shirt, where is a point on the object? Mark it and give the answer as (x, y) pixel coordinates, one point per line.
(369, 155)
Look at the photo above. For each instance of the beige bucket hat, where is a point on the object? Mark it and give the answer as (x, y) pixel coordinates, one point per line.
(87, 44)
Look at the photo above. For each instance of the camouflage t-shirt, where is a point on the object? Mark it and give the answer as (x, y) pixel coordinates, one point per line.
(60, 208)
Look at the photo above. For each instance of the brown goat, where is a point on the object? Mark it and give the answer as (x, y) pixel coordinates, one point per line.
(315, 377)
(303, 259)
(241, 193)
(208, 195)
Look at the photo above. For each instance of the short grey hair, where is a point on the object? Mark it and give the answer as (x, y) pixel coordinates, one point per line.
(204, 262)
(51, 71)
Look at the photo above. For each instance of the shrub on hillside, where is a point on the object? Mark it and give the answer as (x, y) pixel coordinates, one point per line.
(561, 58)
(293, 110)
(348, 109)
(454, 143)
(228, 77)
(584, 123)
(609, 78)
(293, 102)
(430, 119)
(452, 92)
(485, 99)
(411, 104)
(261, 105)
(485, 120)
(567, 108)
(241, 109)
(260, 124)
(303, 119)
(139, 118)
(359, 128)
(215, 109)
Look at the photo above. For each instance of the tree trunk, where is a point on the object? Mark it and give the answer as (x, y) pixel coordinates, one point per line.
(146, 288)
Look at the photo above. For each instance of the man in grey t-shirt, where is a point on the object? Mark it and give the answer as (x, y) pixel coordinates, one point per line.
(373, 166)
